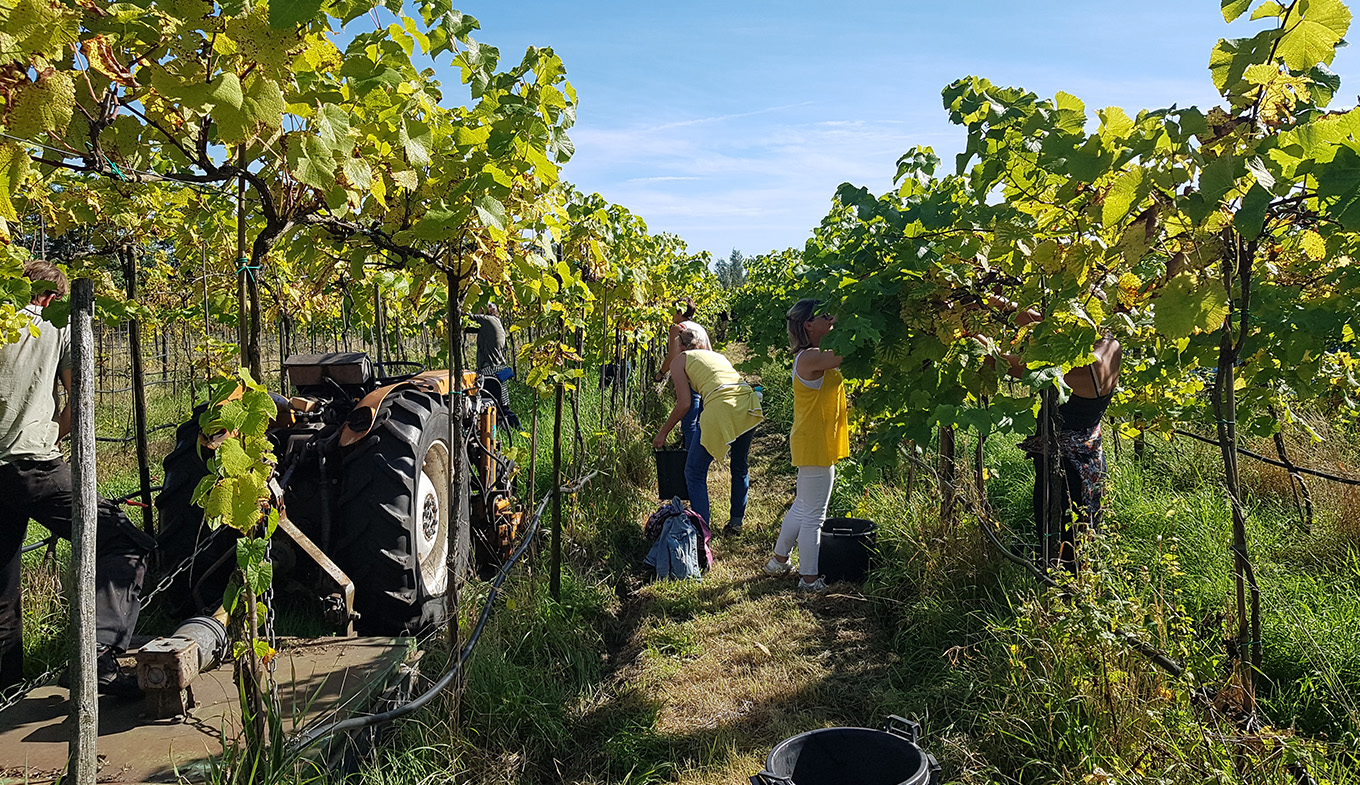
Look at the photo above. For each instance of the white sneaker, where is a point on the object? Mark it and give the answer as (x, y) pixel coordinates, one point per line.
(816, 586)
(777, 567)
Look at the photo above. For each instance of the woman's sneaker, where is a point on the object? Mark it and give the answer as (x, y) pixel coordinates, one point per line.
(818, 585)
(777, 567)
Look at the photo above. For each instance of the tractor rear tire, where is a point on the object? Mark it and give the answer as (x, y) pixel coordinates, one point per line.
(393, 508)
(182, 531)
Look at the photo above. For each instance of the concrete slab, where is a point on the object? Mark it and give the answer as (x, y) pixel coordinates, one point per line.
(319, 681)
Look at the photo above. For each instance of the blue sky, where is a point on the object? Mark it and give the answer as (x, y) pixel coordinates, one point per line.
(731, 123)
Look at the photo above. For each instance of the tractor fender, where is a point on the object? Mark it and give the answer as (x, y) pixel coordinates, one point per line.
(360, 421)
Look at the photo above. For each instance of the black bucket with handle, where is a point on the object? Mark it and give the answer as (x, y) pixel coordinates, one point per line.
(852, 756)
(847, 545)
(670, 474)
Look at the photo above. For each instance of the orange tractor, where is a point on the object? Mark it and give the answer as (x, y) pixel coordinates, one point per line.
(366, 483)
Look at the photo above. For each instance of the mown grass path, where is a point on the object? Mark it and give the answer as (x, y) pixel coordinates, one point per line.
(705, 678)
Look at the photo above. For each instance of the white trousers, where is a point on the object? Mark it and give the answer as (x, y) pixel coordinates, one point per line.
(803, 521)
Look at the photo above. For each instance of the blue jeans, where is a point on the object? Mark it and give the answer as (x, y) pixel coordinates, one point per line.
(696, 477)
(689, 425)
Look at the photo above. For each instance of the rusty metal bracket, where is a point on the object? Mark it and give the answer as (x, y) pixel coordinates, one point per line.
(340, 609)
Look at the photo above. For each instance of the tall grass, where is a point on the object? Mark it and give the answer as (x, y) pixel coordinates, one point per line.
(1027, 685)
(1014, 683)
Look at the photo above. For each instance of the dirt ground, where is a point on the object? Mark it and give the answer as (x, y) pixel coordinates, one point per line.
(734, 664)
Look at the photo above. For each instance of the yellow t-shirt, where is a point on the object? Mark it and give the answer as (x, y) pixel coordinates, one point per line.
(730, 405)
(821, 432)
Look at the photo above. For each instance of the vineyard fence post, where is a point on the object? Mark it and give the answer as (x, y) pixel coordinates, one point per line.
(948, 474)
(458, 465)
(129, 259)
(84, 509)
(555, 567)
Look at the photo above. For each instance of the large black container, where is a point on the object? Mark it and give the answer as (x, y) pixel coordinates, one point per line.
(847, 545)
(670, 474)
(852, 756)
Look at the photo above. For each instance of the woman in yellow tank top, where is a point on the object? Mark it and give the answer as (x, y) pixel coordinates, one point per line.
(726, 423)
(819, 438)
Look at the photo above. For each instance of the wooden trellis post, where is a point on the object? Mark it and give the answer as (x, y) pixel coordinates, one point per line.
(84, 761)
(138, 391)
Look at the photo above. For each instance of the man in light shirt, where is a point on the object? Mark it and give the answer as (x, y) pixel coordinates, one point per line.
(35, 483)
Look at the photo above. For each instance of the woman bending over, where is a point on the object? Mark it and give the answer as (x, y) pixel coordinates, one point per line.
(727, 420)
(683, 319)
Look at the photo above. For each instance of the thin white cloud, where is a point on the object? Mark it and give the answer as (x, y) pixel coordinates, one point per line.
(667, 179)
(757, 187)
(726, 117)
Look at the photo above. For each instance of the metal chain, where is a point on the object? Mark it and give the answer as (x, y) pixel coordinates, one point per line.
(269, 635)
(12, 696)
(180, 568)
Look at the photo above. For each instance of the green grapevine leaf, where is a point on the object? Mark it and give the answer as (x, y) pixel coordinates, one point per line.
(1071, 114)
(1235, 8)
(492, 212)
(258, 576)
(1314, 38)
(218, 507)
(233, 415)
(13, 171)
(260, 410)
(226, 91)
(233, 458)
(1231, 57)
(415, 138)
(250, 550)
(232, 595)
(1251, 215)
(291, 13)
(332, 129)
(1339, 187)
(271, 48)
(201, 491)
(1268, 9)
(42, 106)
(1128, 190)
(1114, 123)
(310, 161)
(1186, 305)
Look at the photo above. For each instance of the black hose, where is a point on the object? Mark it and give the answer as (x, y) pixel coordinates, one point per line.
(127, 439)
(39, 545)
(358, 723)
(1273, 462)
(151, 383)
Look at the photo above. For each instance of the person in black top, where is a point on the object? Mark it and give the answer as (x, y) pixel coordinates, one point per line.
(492, 358)
(1079, 443)
(491, 340)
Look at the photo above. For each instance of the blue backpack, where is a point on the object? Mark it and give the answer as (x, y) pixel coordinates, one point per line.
(681, 548)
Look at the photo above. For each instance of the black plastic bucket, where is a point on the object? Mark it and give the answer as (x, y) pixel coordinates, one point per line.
(852, 756)
(847, 544)
(670, 474)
